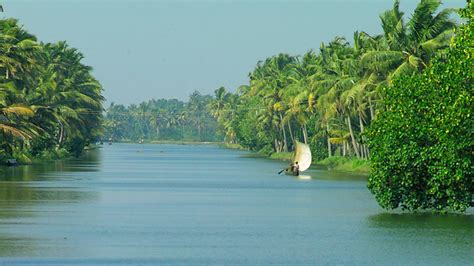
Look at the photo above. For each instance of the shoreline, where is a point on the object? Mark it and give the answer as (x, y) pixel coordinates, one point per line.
(179, 142)
(48, 156)
(334, 163)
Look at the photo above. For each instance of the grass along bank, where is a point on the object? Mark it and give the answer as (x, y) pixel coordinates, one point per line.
(346, 164)
(338, 163)
(282, 156)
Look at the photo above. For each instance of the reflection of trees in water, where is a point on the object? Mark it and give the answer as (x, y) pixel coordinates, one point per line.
(425, 220)
(23, 246)
(89, 162)
(20, 203)
(20, 199)
(17, 195)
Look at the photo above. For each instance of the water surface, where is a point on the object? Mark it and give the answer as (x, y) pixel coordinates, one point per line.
(185, 204)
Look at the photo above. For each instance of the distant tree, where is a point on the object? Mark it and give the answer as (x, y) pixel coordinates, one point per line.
(162, 119)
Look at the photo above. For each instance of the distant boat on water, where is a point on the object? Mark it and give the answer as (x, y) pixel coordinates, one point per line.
(301, 157)
(11, 162)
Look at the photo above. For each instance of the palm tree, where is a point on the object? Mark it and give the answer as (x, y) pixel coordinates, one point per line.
(66, 95)
(409, 46)
(14, 123)
(217, 104)
(18, 49)
(45, 88)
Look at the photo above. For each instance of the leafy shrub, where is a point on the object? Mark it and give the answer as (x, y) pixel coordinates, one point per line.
(284, 156)
(422, 142)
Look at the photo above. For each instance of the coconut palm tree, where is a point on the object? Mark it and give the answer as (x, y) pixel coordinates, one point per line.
(18, 50)
(410, 45)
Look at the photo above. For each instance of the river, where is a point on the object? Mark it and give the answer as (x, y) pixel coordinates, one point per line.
(202, 204)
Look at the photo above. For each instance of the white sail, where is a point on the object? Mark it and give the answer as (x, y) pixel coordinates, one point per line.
(302, 156)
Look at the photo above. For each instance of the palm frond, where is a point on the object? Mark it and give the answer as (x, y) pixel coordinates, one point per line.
(381, 60)
(18, 110)
(11, 130)
(439, 42)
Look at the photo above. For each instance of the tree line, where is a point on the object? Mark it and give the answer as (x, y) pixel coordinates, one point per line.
(162, 119)
(402, 99)
(49, 100)
(328, 97)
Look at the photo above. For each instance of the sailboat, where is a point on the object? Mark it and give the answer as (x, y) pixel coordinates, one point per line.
(302, 155)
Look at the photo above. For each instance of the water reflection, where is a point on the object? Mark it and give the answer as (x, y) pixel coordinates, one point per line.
(422, 238)
(423, 220)
(31, 195)
(18, 185)
(11, 246)
(89, 162)
(206, 205)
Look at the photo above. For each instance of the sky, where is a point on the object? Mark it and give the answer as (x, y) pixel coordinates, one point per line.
(167, 49)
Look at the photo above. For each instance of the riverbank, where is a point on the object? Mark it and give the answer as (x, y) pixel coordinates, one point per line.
(346, 164)
(180, 142)
(177, 142)
(24, 158)
(337, 163)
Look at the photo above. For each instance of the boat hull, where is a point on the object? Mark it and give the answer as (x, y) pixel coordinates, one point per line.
(287, 172)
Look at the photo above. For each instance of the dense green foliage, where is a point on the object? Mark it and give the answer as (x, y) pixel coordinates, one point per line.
(402, 98)
(162, 120)
(340, 163)
(49, 100)
(422, 140)
(327, 99)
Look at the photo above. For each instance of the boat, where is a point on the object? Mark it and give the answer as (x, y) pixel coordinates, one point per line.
(11, 162)
(302, 155)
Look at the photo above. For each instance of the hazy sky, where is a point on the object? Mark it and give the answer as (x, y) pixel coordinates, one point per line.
(166, 49)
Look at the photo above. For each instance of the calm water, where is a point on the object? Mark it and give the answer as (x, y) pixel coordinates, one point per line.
(176, 204)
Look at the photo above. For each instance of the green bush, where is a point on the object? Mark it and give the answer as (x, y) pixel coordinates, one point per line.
(332, 162)
(284, 156)
(75, 145)
(319, 148)
(422, 142)
(346, 164)
(266, 150)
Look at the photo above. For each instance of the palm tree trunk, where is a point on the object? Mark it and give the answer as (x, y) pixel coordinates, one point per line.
(61, 134)
(285, 143)
(291, 135)
(329, 142)
(362, 145)
(291, 132)
(354, 143)
(305, 134)
(344, 148)
(372, 111)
